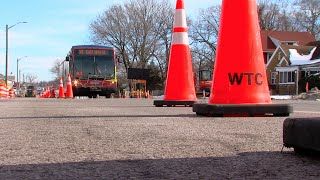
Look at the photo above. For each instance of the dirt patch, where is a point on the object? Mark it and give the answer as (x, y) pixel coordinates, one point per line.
(313, 94)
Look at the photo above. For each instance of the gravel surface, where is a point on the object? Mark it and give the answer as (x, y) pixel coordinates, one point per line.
(132, 139)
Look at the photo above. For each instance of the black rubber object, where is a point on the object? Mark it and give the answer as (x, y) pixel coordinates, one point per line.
(160, 103)
(221, 110)
(303, 134)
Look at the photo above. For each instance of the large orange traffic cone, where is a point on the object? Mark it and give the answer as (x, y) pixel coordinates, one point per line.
(180, 89)
(61, 90)
(240, 85)
(69, 93)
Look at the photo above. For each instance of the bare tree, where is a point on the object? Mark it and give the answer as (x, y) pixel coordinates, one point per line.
(307, 15)
(204, 35)
(142, 38)
(131, 29)
(55, 68)
(268, 15)
(30, 78)
(163, 29)
(110, 28)
(276, 15)
(55, 72)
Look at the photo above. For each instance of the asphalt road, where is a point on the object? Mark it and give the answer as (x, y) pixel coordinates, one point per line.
(132, 139)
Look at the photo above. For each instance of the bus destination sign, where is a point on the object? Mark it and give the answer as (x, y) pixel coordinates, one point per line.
(94, 52)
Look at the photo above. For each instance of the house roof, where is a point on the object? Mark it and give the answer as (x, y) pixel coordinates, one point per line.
(270, 39)
(316, 54)
(302, 51)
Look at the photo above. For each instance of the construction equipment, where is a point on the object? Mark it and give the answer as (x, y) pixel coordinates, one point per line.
(204, 82)
(30, 91)
(138, 88)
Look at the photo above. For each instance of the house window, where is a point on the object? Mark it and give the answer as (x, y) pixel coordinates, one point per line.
(273, 78)
(287, 77)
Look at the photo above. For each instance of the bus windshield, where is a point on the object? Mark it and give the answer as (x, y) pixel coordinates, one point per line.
(94, 66)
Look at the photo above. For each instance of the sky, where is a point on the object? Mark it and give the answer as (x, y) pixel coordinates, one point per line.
(52, 27)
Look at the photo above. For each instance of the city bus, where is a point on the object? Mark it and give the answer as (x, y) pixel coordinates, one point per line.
(92, 70)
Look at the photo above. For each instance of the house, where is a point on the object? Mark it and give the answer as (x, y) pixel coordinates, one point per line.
(272, 39)
(287, 66)
(289, 56)
(313, 66)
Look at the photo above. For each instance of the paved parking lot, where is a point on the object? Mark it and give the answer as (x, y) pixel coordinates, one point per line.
(132, 139)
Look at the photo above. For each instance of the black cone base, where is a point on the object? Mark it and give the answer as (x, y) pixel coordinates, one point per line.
(160, 103)
(302, 134)
(220, 110)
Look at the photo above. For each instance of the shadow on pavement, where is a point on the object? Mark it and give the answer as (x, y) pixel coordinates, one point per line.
(266, 165)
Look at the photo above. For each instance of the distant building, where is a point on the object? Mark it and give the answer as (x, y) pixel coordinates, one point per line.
(11, 80)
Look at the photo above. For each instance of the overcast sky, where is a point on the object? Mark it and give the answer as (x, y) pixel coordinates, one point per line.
(53, 27)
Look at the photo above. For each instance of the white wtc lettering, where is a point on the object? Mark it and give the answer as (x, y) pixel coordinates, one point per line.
(180, 38)
(180, 18)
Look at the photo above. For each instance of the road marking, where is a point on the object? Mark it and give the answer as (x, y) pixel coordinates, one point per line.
(307, 112)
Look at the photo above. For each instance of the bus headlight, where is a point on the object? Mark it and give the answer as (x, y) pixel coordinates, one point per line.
(76, 83)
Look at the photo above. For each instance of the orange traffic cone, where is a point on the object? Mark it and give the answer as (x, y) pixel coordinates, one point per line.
(3, 92)
(61, 90)
(48, 92)
(69, 93)
(240, 85)
(11, 92)
(180, 88)
(52, 93)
